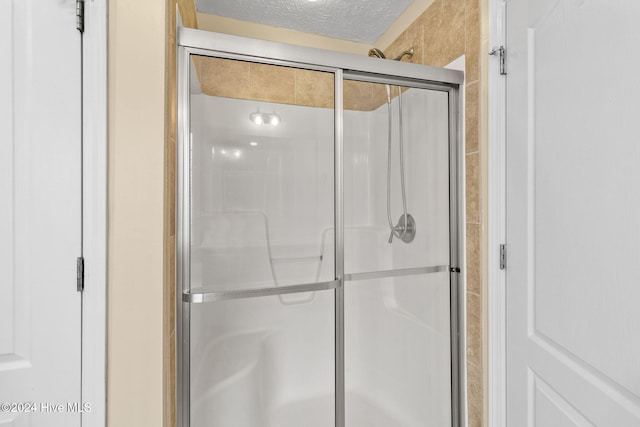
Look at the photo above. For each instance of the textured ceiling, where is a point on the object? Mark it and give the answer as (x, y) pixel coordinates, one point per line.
(356, 20)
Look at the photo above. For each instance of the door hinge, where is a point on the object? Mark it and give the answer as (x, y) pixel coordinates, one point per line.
(80, 15)
(501, 52)
(80, 274)
(503, 256)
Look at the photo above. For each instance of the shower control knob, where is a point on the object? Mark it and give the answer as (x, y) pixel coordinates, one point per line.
(405, 234)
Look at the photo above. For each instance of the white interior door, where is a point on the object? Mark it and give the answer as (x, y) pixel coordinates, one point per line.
(573, 204)
(40, 308)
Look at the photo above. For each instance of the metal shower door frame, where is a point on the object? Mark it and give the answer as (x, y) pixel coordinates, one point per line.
(344, 67)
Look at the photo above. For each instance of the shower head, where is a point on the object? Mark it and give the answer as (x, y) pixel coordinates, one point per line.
(408, 53)
(376, 53)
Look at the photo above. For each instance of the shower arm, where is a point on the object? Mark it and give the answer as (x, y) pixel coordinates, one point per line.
(375, 52)
(408, 53)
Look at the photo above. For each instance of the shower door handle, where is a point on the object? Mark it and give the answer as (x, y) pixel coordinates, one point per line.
(202, 295)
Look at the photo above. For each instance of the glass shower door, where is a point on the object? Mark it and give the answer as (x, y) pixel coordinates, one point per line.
(318, 239)
(262, 276)
(397, 283)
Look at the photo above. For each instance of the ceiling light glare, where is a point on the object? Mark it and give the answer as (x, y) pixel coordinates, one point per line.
(259, 118)
(253, 144)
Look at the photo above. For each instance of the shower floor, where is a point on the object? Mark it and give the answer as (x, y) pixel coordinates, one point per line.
(318, 412)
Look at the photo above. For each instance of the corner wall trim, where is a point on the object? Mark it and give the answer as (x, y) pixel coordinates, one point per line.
(497, 225)
(94, 306)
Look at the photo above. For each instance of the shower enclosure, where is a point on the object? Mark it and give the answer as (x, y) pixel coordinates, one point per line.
(295, 307)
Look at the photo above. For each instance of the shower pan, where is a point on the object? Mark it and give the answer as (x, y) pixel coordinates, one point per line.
(294, 306)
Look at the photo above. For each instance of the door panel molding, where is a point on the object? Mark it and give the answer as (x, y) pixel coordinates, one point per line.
(542, 390)
(577, 375)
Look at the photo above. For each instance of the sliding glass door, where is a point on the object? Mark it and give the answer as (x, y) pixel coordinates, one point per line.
(262, 272)
(317, 238)
(397, 283)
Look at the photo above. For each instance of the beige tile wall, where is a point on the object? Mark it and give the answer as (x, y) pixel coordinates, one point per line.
(261, 82)
(169, 330)
(188, 16)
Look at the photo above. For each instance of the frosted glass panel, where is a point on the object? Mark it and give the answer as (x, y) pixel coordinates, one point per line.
(397, 329)
(262, 215)
(397, 352)
(261, 363)
(425, 134)
(262, 176)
